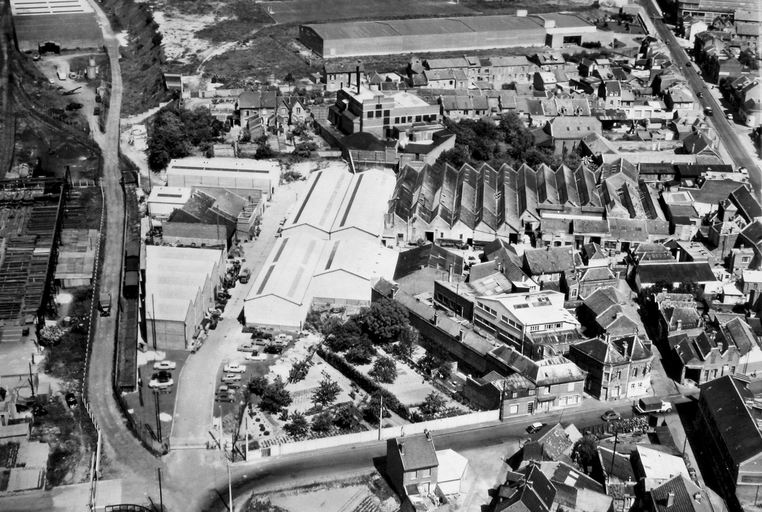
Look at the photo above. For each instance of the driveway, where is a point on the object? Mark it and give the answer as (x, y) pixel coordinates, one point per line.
(197, 382)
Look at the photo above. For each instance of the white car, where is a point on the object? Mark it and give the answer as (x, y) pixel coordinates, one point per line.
(234, 368)
(164, 365)
(160, 384)
(231, 377)
(255, 356)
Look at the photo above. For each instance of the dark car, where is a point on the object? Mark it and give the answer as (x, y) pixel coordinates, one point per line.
(611, 415)
(71, 400)
(161, 376)
(74, 106)
(535, 427)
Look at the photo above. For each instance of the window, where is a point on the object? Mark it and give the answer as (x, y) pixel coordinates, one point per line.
(547, 390)
(745, 259)
(387, 113)
(424, 473)
(531, 392)
(618, 374)
(417, 119)
(732, 369)
(634, 372)
(606, 376)
(570, 386)
(371, 114)
(533, 328)
(514, 394)
(562, 400)
(396, 120)
(513, 409)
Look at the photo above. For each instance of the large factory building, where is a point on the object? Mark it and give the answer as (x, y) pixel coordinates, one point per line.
(354, 38)
(55, 25)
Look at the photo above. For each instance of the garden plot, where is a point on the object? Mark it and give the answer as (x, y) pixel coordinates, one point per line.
(301, 392)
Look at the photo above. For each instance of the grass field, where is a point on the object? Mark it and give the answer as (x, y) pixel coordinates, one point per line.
(304, 11)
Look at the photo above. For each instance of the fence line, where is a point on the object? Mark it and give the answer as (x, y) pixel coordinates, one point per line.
(385, 433)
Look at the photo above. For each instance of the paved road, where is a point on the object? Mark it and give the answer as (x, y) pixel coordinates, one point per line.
(737, 151)
(122, 450)
(197, 382)
(326, 465)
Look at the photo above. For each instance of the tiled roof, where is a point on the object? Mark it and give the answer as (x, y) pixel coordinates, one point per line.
(417, 452)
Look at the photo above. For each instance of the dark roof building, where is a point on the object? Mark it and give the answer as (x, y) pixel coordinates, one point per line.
(676, 272)
(729, 416)
(679, 494)
(533, 493)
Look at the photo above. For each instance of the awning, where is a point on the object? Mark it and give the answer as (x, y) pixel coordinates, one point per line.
(546, 398)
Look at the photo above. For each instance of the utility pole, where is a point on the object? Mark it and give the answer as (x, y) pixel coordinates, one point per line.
(380, 416)
(230, 488)
(158, 409)
(161, 494)
(613, 453)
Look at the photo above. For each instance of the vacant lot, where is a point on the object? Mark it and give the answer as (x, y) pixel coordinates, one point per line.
(320, 11)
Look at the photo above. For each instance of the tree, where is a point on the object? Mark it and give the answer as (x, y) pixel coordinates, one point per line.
(362, 352)
(371, 410)
(347, 417)
(586, 450)
(299, 370)
(327, 392)
(384, 370)
(275, 398)
(263, 151)
(384, 321)
(433, 404)
(298, 426)
(258, 385)
(51, 335)
(322, 422)
(344, 336)
(405, 346)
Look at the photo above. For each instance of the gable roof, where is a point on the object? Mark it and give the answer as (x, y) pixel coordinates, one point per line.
(683, 492)
(555, 442)
(549, 261)
(675, 272)
(417, 452)
(725, 400)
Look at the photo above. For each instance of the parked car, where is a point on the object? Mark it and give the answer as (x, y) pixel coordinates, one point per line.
(700, 94)
(36, 57)
(224, 398)
(274, 349)
(247, 347)
(255, 356)
(708, 111)
(161, 380)
(164, 365)
(231, 377)
(611, 415)
(234, 368)
(535, 427)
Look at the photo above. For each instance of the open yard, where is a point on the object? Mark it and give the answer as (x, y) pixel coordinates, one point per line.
(304, 11)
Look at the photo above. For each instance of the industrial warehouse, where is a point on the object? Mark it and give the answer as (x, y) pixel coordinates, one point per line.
(330, 251)
(348, 39)
(54, 25)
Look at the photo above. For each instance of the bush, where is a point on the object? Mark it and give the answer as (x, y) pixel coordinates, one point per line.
(361, 352)
(298, 426)
(363, 381)
(322, 422)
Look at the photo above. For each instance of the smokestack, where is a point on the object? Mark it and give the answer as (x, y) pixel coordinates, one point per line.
(402, 447)
(670, 499)
(449, 275)
(357, 68)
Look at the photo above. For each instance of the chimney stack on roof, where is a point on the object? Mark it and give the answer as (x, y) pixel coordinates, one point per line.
(670, 499)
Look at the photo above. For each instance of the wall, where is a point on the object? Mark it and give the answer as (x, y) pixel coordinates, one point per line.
(386, 433)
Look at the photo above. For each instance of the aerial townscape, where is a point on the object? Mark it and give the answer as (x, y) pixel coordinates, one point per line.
(380, 256)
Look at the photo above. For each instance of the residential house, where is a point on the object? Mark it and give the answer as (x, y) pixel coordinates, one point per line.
(514, 394)
(568, 131)
(576, 491)
(701, 143)
(751, 236)
(751, 286)
(547, 266)
(728, 420)
(256, 104)
(678, 493)
(523, 319)
(725, 350)
(655, 467)
(412, 465)
(446, 78)
(747, 205)
(554, 382)
(583, 281)
(680, 100)
(292, 111)
(740, 259)
(616, 369)
(532, 491)
(608, 311)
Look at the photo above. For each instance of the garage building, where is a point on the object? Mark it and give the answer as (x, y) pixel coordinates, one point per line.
(55, 25)
(345, 39)
(181, 286)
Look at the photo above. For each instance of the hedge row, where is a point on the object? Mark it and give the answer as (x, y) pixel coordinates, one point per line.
(362, 380)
